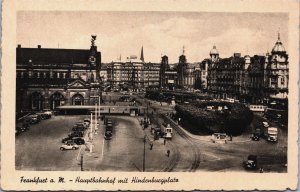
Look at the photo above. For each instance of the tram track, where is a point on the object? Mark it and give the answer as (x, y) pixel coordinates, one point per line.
(175, 157)
(196, 154)
(175, 151)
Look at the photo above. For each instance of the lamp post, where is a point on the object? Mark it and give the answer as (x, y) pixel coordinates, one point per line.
(91, 126)
(96, 120)
(144, 155)
(99, 98)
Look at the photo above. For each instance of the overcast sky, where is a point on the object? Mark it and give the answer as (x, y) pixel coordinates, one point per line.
(124, 33)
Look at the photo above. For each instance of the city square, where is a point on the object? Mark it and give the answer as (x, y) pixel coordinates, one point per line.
(77, 111)
(125, 151)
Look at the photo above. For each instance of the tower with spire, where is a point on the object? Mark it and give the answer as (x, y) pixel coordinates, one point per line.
(277, 71)
(142, 55)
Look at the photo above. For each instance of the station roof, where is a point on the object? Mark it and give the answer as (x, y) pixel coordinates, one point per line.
(53, 56)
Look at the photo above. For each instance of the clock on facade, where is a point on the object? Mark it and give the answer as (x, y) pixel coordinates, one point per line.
(92, 59)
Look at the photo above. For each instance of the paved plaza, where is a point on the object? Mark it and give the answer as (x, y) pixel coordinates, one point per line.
(38, 148)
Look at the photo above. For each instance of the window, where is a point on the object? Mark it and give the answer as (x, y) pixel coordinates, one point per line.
(282, 80)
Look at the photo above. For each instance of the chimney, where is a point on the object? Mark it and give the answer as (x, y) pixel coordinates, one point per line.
(19, 46)
(39, 46)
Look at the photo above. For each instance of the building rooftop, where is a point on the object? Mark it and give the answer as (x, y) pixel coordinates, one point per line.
(278, 47)
(53, 56)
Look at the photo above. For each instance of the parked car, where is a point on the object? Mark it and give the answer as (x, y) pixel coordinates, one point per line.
(45, 114)
(48, 113)
(76, 134)
(69, 146)
(76, 140)
(34, 119)
(42, 115)
(81, 124)
(19, 130)
(78, 128)
(87, 122)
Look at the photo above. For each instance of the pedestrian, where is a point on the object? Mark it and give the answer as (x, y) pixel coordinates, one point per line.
(164, 141)
(151, 146)
(230, 137)
(261, 170)
(168, 152)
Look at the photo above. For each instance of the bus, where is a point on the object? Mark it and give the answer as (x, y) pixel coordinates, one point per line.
(258, 108)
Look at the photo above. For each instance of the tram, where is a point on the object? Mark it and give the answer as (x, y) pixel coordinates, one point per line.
(167, 130)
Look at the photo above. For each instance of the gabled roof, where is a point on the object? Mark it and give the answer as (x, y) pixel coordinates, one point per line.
(78, 83)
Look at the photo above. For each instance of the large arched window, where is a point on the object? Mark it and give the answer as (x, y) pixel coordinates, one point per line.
(77, 99)
(56, 99)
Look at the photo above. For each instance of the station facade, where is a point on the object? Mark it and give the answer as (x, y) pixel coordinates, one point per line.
(48, 78)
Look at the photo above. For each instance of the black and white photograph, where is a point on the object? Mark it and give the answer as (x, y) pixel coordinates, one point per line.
(134, 91)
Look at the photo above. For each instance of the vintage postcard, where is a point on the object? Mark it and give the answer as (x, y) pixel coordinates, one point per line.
(149, 95)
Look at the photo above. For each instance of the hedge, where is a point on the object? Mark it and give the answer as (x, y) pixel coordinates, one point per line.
(232, 121)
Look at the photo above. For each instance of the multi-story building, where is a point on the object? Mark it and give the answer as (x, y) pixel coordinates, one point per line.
(257, 79)
(277, 72)
(133, 73)
(167, 74)
(47, 78)
(203, 74)
(187, 73)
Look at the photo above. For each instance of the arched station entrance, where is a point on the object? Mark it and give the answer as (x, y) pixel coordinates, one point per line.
(77, 99)
(56, 99)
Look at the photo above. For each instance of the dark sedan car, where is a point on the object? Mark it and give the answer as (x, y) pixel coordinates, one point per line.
(76, 140)
(78, 128)
(76, 134)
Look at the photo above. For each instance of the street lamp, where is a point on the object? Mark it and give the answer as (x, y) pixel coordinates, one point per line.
(144, 155)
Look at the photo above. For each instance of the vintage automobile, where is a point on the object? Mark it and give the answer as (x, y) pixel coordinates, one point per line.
(78, 128)
(76, 140)
(87, 122)
(255, 137)
(219, 138)
(251, 162)
(257, 134)
(81, 124)
(34, 119)
(69, 146)
(107, 135)
(20, 129)
(76, 134)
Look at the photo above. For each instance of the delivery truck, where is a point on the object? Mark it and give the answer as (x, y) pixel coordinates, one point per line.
(272, 134)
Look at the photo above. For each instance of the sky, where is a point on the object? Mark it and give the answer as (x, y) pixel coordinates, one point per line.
(160, 33)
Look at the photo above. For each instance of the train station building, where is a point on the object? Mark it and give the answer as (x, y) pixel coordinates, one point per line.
(48, 78)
